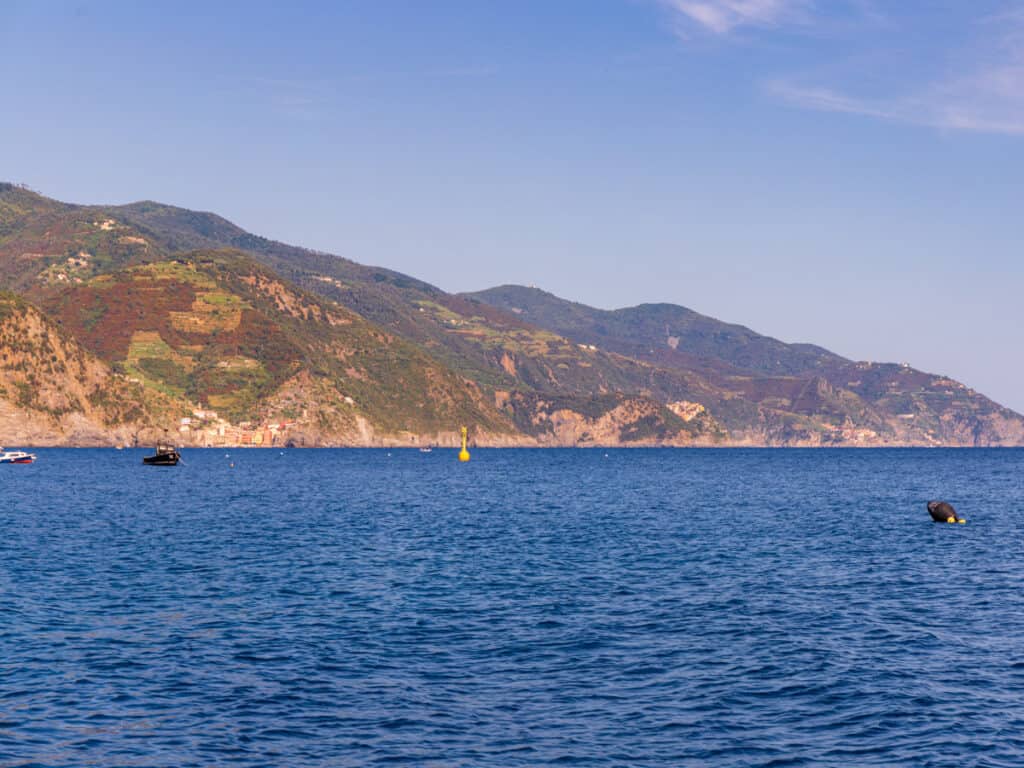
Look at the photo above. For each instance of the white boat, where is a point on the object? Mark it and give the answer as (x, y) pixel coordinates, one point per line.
(16, 457)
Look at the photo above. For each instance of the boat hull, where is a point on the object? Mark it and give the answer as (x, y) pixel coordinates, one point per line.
(161, 461)
(19, 457)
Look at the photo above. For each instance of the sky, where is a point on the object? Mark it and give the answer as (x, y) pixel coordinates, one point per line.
(843, 172)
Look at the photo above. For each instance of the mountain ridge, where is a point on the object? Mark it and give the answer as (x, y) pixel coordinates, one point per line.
(522, 366)
(809, 373)
(687, 332)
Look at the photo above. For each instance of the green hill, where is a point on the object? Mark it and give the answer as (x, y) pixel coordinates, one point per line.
(664, 334)
(217, 329)
(805, 386)
(292, 345)
(54, 391)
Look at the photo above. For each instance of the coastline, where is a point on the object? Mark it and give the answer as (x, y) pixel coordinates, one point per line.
(524, 445)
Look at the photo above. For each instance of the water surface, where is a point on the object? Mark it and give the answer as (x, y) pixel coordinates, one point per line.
(530, 608)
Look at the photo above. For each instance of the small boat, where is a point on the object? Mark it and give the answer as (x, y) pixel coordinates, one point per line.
(16, 457)
(426, 450)
(165, 456)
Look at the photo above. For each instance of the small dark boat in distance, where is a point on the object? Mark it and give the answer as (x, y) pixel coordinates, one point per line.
(165, 456)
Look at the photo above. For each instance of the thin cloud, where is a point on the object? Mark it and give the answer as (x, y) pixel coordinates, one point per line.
(723, 16)
(828, 100)
(987, 98)
(989, 102)
(985, 94)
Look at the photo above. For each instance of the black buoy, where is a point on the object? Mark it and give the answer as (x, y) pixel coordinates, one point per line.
(943, 512)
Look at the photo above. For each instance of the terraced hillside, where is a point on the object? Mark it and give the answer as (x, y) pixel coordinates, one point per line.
(498, 355)
(663, 334)
(53, 391)
(757, 389)
(222, 332)
(800, 389)
(328, 351)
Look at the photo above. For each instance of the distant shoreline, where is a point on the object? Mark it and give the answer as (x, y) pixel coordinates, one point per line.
(442, 449)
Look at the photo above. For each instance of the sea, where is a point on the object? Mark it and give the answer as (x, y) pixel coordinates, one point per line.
(635, 607)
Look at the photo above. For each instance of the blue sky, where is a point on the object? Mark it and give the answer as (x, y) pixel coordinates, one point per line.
(848, 173)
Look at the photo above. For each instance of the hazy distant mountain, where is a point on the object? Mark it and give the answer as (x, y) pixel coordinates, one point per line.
(802, 379)
(665, 334)
(268, 342)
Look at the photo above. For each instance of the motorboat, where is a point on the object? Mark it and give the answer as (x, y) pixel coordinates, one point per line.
(165, 456)
(16, 457)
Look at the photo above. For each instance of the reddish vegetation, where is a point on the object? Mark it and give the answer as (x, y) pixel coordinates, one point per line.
(104, 316)
(375, 358)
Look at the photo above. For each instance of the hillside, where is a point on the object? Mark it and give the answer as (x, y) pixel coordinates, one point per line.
(664, 334)
(760, 390)
(328, 351)
(218, 330)
(54, 391)
(895, 402)
(495, 355)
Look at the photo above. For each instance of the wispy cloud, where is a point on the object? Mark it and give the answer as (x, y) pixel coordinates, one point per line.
(723, 16)
(828, 100)
(979, 87)
(986, 96)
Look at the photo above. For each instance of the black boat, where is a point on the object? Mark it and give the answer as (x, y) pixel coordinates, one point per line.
(165, 456)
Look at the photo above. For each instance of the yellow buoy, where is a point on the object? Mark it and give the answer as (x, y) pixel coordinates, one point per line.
(463, 454)
(950, 519)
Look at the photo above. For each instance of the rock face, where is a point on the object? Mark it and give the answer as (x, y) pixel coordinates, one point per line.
(259, 360)
(132, 322)
(54, 392)
(606, 421)
(766, 392)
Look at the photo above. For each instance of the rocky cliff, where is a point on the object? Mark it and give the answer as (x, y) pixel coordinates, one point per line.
(127, 322)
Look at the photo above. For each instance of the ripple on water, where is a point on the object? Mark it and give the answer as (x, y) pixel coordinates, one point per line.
(655, 607)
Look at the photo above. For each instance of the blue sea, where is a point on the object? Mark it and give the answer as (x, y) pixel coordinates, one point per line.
(531, 608)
